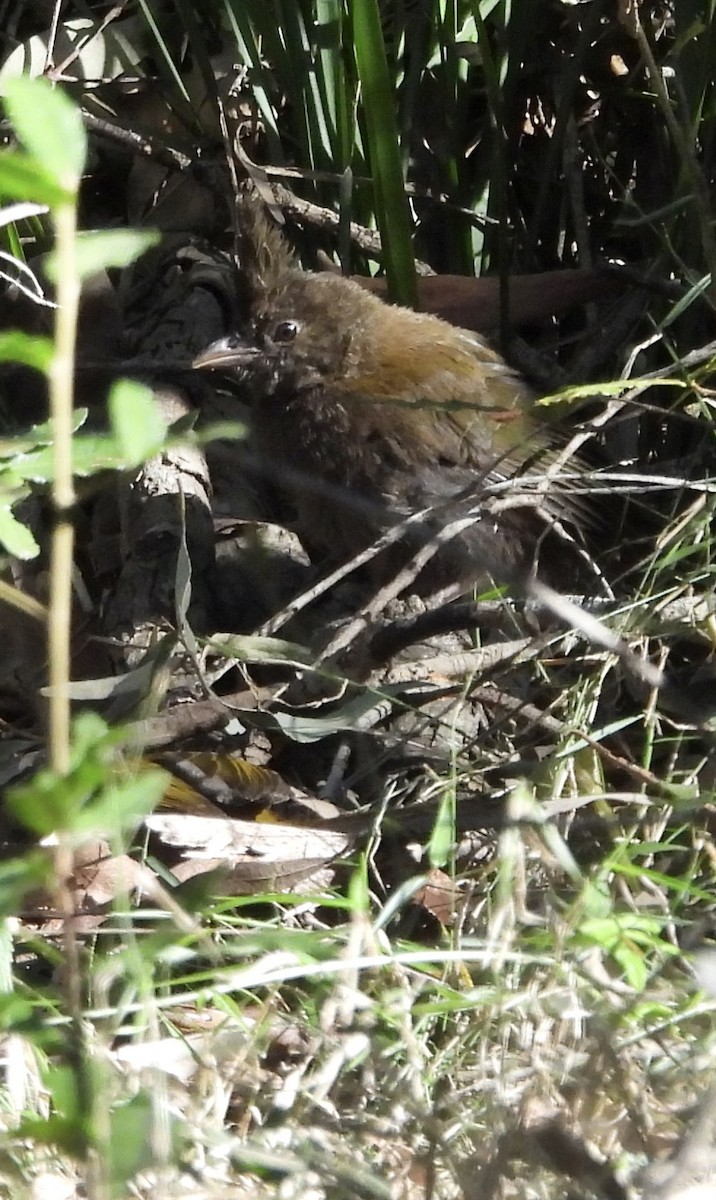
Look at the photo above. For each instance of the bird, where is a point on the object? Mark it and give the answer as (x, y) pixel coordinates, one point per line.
(368, 414)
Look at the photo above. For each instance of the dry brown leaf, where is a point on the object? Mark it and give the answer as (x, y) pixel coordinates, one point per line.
(251, 856)
(438, 897)
(100, 876)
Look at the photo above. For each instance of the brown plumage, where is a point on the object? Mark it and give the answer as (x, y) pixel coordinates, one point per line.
(376, 412)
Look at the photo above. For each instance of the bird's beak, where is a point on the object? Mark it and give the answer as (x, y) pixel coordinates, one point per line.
(227, 352)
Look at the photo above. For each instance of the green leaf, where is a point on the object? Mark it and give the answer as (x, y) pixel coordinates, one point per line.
(19, 876)
(260, 649)
(219, 431)
(91, 735)
(138, 433)
(21, 212)
(92, 454)
(61, 1133)
(37, 435)
(50, 127)
(609, 388)
(121, 805)
(97, 250)
(312, 729)
(26, 348)
(130, 1148)
(595, 900)
(182, 588)
(35, 466)
(137, 422)
(43, 806)
(16, 537)
(23, 179)
(442, 838)
(16, 1013)
(51, 803)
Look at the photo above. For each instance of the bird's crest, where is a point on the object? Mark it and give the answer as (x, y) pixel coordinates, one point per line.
(265, 258)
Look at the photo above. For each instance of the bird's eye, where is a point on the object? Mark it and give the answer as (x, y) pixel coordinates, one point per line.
(285, 331)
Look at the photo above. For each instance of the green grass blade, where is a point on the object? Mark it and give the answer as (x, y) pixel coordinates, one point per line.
(378, 99)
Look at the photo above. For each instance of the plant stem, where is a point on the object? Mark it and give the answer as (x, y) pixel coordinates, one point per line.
(63, 491)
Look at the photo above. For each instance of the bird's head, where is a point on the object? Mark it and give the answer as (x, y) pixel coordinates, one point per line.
(300, 332)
